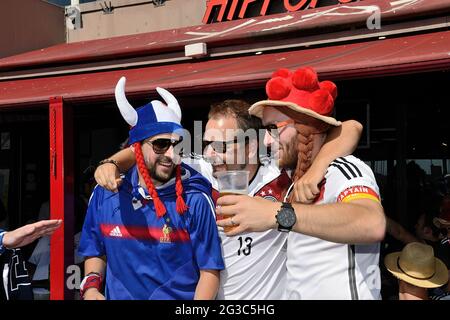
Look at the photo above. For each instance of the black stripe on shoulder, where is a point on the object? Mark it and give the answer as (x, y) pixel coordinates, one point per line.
(351, 272)
(353, 165)
(341, 170)
(347, 167)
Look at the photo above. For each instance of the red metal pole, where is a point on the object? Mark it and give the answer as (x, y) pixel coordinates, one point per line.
(61, 195)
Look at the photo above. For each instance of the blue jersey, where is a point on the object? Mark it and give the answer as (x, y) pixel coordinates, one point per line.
(150, 257)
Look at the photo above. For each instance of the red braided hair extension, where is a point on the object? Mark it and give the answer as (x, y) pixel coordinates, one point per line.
(181, 205)
(159, 205)
(306, 128)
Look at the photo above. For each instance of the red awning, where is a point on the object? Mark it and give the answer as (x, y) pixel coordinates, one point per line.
(230, 32)
(417, 53)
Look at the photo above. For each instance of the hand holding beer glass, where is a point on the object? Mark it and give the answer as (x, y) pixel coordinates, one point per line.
(232, 182)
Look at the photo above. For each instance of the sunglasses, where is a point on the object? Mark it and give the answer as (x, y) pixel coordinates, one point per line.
(221, 146)
(160, 146)
(273, 128)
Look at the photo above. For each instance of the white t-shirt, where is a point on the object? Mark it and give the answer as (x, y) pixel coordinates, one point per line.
(255, 262)
(323, 270)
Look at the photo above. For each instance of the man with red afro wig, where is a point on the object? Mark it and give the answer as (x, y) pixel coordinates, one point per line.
(333, 245)
(156, 238)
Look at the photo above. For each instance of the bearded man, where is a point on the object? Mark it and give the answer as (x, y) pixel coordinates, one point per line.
(156, 237)
(333, 245)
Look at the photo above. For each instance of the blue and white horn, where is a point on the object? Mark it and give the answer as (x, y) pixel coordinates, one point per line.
(171, 101)
(126, 109)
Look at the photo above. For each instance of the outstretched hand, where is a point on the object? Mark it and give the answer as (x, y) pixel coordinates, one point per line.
(30, 232)
(108, 176)
(246, 213)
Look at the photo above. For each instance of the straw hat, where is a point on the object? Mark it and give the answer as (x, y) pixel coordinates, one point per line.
(300, 91)
(417, 265)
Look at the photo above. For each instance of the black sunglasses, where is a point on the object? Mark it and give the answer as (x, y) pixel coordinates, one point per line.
(161, 145)
(221, 146)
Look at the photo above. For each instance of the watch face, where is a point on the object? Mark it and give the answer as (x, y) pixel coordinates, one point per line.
(286, 218)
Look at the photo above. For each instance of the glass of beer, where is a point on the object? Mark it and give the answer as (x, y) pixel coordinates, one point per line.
(232, 182)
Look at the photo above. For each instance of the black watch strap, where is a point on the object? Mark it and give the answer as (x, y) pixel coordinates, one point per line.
(287, 205)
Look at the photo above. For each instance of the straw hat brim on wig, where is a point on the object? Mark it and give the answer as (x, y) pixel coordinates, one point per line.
(432, 274)
(301, 92)
(257, 110)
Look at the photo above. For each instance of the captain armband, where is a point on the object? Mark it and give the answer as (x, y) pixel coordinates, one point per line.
(357, 193)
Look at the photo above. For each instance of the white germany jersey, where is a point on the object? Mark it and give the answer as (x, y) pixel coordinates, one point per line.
(255, 262)
(323, 270)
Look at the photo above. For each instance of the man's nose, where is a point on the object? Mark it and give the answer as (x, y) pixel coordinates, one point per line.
(209, 152)
(268, 139)
(170, 152)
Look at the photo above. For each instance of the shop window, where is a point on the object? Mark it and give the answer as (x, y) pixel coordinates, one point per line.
(432, 168)
(357, 110)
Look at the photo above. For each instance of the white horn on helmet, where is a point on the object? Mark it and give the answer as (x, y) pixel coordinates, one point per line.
(170, 100)
(126, 109)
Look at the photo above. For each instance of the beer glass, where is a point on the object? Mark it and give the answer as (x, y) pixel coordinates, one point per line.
(232, 182)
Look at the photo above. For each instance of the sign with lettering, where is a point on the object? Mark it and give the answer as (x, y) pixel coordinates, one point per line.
(223, 10)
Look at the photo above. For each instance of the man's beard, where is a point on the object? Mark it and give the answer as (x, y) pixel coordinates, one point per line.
(290, 155)
(160, 176)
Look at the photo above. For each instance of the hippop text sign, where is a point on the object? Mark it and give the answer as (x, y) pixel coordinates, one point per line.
(224, 10)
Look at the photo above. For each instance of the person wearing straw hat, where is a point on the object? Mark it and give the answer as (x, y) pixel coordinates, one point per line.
(417, 270)
(333, 245)
(156, 238)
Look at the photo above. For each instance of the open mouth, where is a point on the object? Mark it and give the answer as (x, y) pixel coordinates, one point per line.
(166, 164)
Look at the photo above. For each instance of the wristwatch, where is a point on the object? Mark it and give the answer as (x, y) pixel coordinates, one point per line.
(286, 217)
(2, 248)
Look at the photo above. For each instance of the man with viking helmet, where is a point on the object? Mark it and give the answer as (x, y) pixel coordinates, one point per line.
(156, 238)
(333, 245)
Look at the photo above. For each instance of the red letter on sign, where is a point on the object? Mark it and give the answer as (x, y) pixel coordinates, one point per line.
(232, 10)
(289, 7)
(264, 7)
(210, 5)
(345, 1)
(313, 4)
(244, 7)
